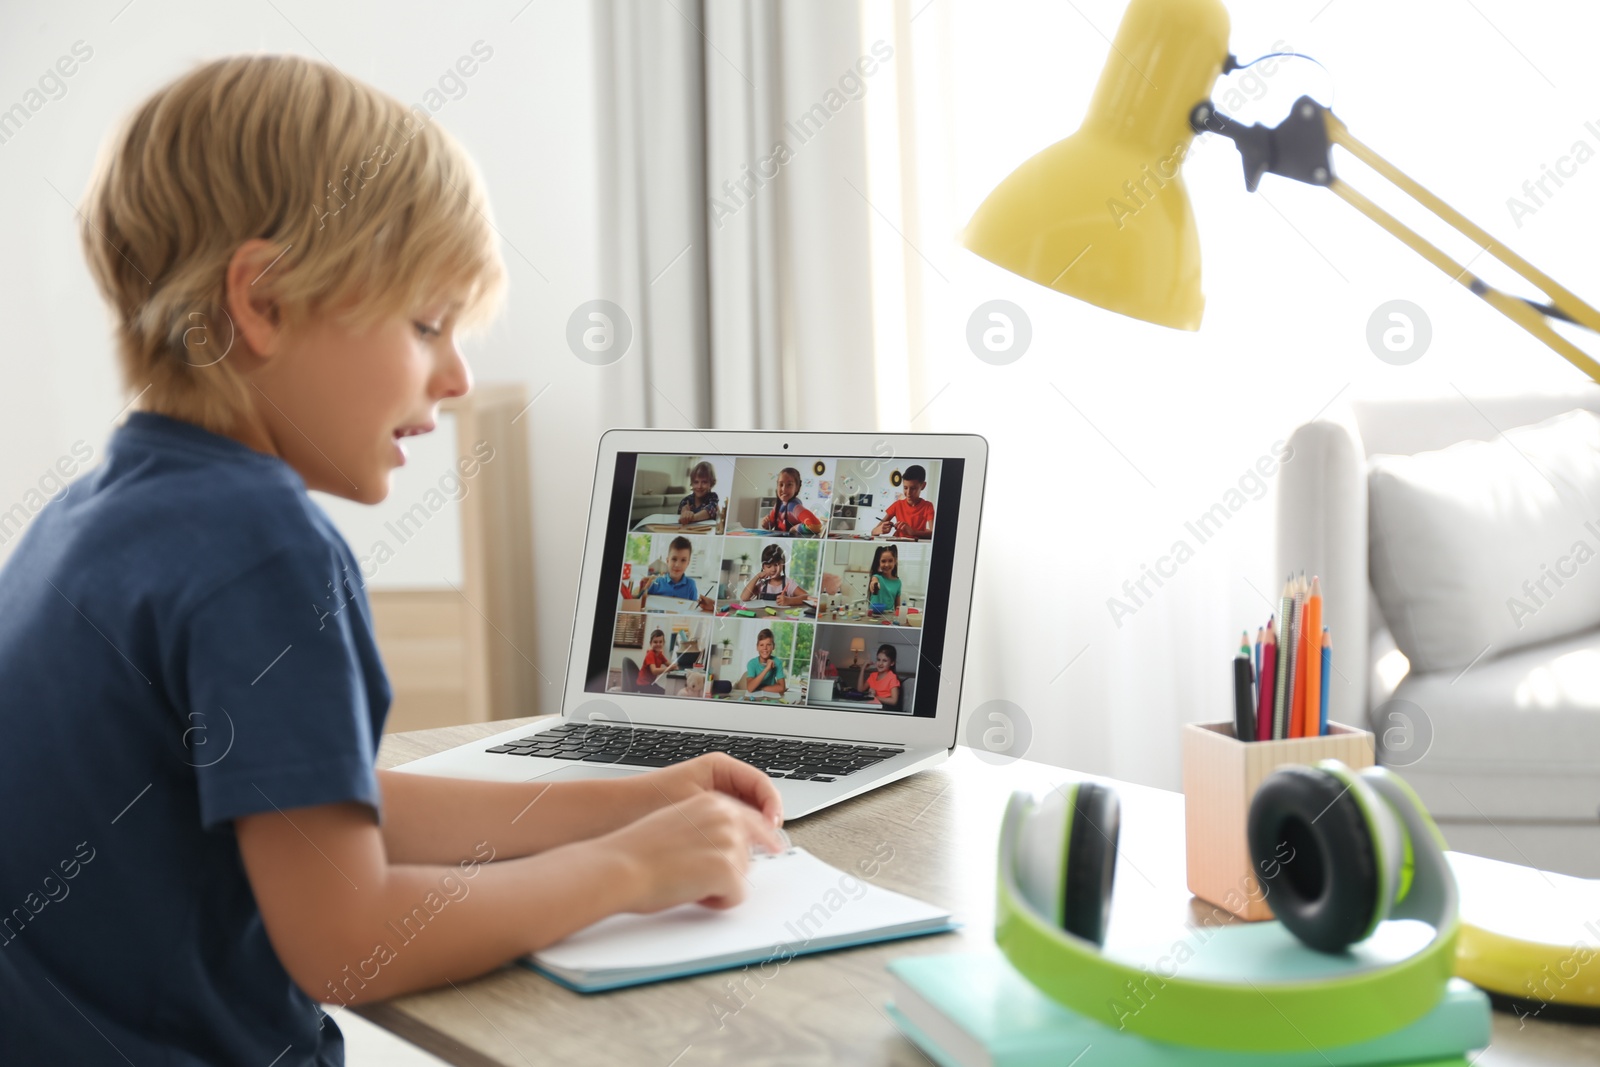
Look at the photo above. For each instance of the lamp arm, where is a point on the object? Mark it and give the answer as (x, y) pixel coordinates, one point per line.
(1300, 148)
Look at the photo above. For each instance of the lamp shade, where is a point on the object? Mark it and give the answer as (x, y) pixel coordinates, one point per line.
(1103, 215)
(858, 644)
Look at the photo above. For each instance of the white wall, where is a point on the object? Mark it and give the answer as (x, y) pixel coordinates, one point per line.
(526, 116)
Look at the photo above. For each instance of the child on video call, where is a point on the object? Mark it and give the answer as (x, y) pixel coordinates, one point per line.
(772, 581)
(883, 683)
(764, 674)
(655, 664)
(788, 515)
(909, 516)
(675, 582)
(161, 670)
(883, 587)
(701, 504)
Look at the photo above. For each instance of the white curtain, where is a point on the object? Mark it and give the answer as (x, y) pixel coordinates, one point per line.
(731, 236)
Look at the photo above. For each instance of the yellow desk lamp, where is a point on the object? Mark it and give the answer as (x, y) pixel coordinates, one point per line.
(1104, 215)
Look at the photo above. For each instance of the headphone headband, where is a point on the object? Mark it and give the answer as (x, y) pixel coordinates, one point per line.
(1288, 1014)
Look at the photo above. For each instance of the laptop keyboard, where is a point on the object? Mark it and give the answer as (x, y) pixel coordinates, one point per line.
(780, 757)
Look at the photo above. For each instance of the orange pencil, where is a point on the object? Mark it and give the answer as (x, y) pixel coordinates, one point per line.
(1312, 632)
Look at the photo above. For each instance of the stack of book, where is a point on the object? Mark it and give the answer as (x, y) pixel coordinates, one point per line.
(975, 1010)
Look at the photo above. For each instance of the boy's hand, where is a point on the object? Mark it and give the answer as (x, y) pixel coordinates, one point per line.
(715, 772)
(693, 850)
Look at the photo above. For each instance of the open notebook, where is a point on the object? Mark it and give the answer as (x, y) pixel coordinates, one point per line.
(796, 905)
(661, 604)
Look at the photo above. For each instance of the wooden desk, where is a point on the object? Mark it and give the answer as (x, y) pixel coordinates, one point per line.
(860, 616)
(667, 522)
(932, 836)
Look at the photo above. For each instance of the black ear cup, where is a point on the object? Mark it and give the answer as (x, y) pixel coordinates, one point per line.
(1091, 862)
(1315, 857)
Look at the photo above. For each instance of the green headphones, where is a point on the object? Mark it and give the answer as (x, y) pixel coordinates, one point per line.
(1337, 854)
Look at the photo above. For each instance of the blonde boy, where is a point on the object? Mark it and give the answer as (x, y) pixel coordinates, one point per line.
(701, 503)
(193, 696)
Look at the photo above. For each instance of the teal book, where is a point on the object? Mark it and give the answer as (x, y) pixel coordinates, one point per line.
(975, 1010)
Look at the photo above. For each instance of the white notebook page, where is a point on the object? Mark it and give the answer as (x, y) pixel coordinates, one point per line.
(794, 900)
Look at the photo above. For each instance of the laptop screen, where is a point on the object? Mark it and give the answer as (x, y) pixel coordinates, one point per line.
(819, 581)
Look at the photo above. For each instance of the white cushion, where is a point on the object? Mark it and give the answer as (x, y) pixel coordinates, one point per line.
(1517, 737)
(1488, 546)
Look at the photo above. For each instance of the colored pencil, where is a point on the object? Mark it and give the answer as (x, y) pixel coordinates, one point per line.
(1244, 712)
(1292, 649)
(1269, 683)
(1297, 718)
(1312, 647)
(1304, 647)
(1297, 694)
(1297, 713)
(1280, 698)
(1258, 663)
(1327, 669)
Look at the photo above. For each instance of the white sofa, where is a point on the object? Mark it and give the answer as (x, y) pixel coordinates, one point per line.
(1506, 754)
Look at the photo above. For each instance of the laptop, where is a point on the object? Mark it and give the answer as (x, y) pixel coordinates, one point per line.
(811, 620)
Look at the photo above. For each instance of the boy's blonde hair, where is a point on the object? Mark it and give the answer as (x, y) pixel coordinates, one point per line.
(375, 210)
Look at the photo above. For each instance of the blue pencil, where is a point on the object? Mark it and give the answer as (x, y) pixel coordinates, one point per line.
(1327, 662)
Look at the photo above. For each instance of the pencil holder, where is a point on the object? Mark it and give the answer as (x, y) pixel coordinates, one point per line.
(1220, 777)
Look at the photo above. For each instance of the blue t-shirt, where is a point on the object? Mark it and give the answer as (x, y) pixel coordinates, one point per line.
(665, 586)
(184, 640)
(698, 506)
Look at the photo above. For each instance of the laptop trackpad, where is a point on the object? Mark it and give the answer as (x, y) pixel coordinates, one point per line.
(601, 770)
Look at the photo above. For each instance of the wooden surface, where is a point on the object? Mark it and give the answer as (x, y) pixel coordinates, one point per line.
(931, 836)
